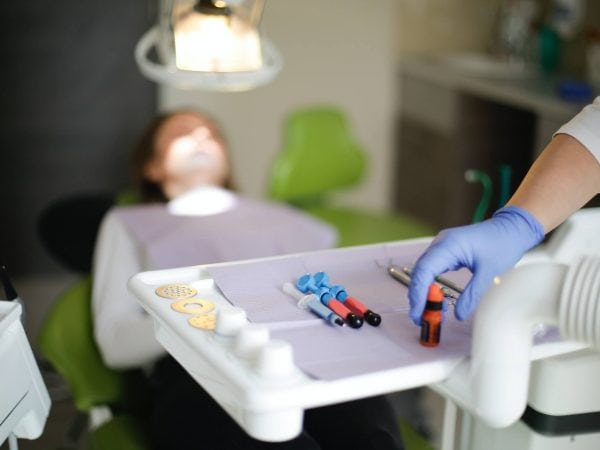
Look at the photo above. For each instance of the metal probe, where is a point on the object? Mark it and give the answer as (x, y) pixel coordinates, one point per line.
(443, 281)
(403, 276)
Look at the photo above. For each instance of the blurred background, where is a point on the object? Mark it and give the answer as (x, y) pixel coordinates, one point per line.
(432, 89)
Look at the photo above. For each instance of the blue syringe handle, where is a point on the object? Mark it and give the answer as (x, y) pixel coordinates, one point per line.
(312, 303)
(323, 311)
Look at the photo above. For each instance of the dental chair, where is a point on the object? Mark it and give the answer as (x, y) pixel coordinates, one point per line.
(111, 401)
(320, 157)
(66, 340)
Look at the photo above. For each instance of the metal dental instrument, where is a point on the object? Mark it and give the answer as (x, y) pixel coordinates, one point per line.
(403, 276)
(399, 275)
(443, 281)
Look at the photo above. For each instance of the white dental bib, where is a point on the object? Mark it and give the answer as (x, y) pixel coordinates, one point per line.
(210, 225)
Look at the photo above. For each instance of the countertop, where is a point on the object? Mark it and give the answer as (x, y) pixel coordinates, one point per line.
(530, 91)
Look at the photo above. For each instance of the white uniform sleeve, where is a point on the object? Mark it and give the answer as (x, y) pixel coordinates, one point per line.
(123, 330)
(585, 127)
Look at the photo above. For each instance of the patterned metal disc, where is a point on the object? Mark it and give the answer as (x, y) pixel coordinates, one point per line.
(204, 321)
(174, 291)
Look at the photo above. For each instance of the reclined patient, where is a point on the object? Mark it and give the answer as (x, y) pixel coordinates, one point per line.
(190, 215)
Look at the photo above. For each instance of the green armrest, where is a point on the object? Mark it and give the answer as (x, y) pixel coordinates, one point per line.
(120, 433)
(66, 340)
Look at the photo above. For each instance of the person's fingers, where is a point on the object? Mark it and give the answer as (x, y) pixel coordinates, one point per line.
(474, 291)
(420, 281)
(431, 264)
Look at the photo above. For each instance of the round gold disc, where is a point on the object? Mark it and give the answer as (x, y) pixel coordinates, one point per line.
(205, 321)
(174, 291)
(193, 306)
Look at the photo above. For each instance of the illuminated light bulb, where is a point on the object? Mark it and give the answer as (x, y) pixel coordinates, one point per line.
(216, 43)
(212, 45)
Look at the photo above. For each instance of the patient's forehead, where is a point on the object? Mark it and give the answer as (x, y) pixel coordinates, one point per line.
(182, 124)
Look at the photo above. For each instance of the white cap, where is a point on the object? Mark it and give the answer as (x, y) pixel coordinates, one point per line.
(251, 339)
(230, 320)
(275, 359)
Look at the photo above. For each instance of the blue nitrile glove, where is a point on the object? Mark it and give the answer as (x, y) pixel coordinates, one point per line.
(487, 249)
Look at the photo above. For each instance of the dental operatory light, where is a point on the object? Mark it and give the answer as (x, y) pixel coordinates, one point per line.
(208, 45)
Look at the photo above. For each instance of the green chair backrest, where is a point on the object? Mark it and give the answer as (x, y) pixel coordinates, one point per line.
(127, 197)
(67, 341)
(319, 155)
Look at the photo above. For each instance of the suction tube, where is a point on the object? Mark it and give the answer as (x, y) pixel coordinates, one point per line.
(579, 314)
(503, 337)
(493, 384)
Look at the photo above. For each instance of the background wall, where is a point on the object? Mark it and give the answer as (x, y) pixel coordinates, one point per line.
(429, 26)
(341, 52)
(72, 105)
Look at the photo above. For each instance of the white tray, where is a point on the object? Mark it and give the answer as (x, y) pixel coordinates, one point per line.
(267, 404)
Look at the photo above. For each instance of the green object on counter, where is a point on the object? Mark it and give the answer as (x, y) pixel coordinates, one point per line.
(549, 50)
(505, 177)
(479, 176)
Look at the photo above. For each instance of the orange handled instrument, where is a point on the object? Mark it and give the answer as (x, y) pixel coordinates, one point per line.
(431, 321)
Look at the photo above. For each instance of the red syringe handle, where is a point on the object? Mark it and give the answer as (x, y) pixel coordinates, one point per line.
(338, 307)
(358, 308)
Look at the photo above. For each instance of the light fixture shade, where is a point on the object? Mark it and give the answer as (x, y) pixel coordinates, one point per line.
(209, 44)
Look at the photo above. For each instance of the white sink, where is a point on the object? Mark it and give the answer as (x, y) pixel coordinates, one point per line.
(484, 65)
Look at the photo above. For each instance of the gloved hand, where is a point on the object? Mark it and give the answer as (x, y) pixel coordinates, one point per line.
(487, 249)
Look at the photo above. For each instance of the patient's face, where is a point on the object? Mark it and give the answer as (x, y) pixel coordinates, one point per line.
(189, 153)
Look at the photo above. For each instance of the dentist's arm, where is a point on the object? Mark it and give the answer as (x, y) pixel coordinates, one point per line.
(561, 180)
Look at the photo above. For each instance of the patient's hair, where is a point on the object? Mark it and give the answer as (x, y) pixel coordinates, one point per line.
(145, 149)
